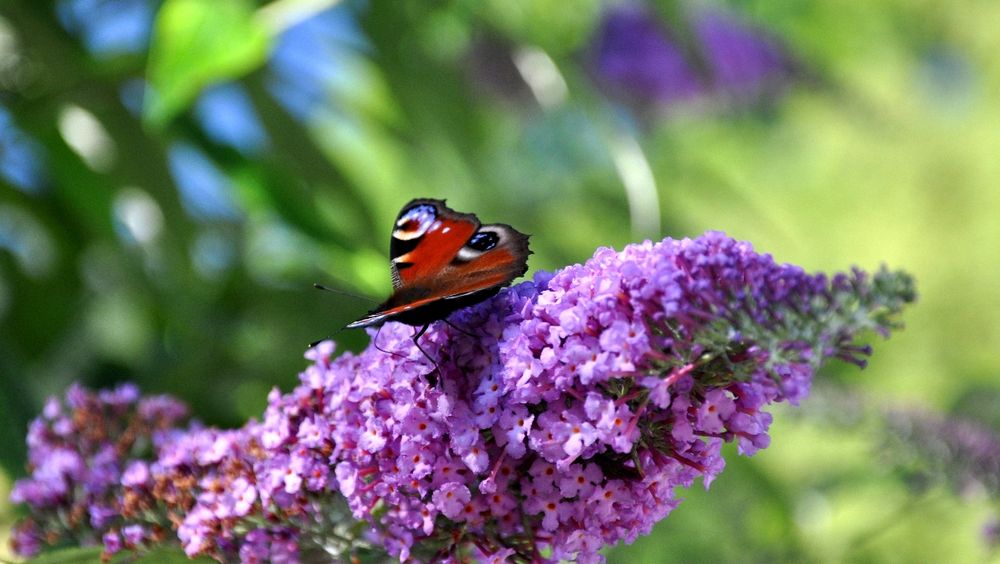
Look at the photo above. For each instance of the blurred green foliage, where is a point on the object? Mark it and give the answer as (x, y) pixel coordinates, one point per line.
(195, 44)
(152, 248)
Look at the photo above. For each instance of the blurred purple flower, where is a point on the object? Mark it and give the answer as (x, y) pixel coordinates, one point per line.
(991, 533)
(112, 542)
(639, 57)
(962, 452)
(133, 535)
(77, 452)
(742, 60)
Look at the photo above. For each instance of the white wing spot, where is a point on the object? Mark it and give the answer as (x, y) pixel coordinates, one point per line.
(465, 254)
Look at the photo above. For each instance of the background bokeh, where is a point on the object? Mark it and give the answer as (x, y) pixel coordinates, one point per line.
(174, 175)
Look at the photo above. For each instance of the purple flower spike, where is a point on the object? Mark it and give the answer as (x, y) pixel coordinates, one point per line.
(636, 56)
(80, 450)
(560, 419)
(743, 60)
(584, 399)
(711, 53)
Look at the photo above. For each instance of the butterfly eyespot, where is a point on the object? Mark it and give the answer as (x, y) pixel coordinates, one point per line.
(421, 214)
(415, 222)
(483, 241)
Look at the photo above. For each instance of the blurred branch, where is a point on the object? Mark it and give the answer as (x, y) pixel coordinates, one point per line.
(292, 148)
(14, 414)
(433, 96)
(640, 185)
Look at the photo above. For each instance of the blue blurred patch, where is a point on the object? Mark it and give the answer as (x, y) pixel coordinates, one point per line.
(131, 93)
(948, 80)
(228, 117)
(308, 59)
(21, 157)
(108, 27)
(212, 254)
(205, 191)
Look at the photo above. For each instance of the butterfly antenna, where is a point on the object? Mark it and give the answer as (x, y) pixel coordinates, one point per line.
(335, 291)
(330, 336)
(319, 286)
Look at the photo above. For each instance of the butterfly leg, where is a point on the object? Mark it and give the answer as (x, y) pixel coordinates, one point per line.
(457, 328)
(416, 341)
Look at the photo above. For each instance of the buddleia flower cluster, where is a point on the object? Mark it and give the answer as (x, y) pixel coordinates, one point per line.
(76, 451)
(645, 59)
(548, 422)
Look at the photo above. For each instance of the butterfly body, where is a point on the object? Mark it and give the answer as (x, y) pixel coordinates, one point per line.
(443, 260)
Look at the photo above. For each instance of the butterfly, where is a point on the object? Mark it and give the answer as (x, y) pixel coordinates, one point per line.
(442, 261)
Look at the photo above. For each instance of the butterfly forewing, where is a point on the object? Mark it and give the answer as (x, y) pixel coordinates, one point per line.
(425, 238)
(443, 260)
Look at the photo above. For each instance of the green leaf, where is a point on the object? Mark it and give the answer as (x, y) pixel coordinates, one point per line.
(544, 23)
(69, 556)
(162, 555)
(197, 43)
(92, 554)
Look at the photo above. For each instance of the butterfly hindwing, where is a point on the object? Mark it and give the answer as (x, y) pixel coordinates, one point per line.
(495, 255)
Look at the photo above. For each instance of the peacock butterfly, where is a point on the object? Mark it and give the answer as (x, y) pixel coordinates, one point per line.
(442, 260)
